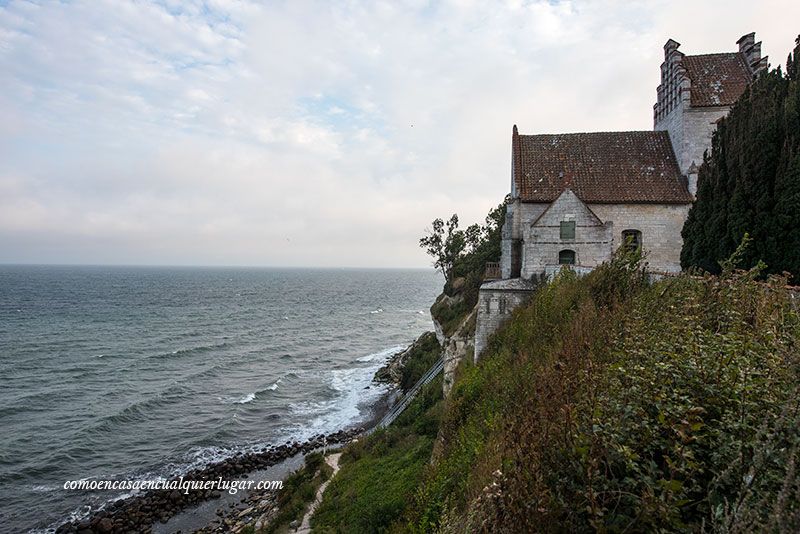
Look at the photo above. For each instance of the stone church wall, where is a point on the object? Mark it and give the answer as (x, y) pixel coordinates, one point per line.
(698, 127)
(496, 301)
(660, 225)
(690, 130)
(519, 216)
(592, 243)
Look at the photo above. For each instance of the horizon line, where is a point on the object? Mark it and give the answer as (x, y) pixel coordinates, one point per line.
(206, 266)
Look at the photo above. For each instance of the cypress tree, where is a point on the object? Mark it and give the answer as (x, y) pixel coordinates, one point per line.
(786, 223)
(749, 181)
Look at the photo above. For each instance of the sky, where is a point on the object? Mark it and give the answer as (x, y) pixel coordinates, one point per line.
(325, 134)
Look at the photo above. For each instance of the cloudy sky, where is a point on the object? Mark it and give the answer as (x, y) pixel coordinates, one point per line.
(231, 132)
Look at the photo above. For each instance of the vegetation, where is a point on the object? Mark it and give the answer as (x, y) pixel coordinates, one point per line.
(750, 181)
(462, 257)
(445, 248)
(380, 473)
(299, 490)
(609, 403)
(424, 353)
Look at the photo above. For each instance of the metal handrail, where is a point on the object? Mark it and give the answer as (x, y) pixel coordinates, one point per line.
(400, 407)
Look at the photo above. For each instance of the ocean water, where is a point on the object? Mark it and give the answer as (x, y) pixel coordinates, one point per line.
(123, 372)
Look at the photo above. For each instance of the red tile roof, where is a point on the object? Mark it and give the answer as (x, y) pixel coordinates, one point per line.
(602, 167)
(717, 79)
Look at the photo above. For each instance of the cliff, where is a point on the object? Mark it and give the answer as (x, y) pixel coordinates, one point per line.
(454, 320)
(606, 403)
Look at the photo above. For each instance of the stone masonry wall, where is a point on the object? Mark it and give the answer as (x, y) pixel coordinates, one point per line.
(699, 125)
(494, 308)
(673, 124)
(592, 243)
(690, 130)
(660, 225)
(521, 215)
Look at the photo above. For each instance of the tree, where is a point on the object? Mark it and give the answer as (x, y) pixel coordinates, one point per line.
(750, 180)
(445, 243)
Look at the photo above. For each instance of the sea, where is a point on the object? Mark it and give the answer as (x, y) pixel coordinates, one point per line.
(147, 372)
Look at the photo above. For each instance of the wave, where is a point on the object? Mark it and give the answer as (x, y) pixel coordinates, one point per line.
(44, 489)
(353, 391)
(139, 410)
(382, 354)
(191, 350)
(250, 397)
(379, 310)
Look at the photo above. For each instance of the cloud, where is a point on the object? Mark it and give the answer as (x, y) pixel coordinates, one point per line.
(307, 133)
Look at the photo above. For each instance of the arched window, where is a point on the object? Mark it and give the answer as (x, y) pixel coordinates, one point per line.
(566, 257)
(632, 239)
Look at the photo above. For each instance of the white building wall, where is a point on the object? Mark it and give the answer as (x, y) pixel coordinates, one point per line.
(542, 240)
(518, 216)
(690, 130)
(660, 224)
(494, 309)
(699, 125)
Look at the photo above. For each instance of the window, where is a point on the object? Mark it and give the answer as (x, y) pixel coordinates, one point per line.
(567, 229)
(632, 239)
(566, 257)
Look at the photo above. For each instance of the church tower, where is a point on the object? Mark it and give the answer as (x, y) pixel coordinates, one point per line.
(696, 92)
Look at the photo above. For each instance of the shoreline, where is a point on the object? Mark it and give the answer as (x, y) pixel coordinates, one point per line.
(154, 510)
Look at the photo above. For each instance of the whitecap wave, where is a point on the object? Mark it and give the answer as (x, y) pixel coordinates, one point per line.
(379, 310)
(354, 392)
(250, 397)
(382, 354)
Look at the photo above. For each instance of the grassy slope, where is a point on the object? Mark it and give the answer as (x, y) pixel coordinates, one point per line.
(423, 355)
(299, 490)
(380, 473)
(606, 404)
(612, 404)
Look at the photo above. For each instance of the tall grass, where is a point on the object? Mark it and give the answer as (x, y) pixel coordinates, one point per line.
(609, 403)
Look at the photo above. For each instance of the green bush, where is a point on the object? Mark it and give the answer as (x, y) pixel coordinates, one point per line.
(380, 472)
(423, 355)
(612, 404)
(299, 489)
(750, 179)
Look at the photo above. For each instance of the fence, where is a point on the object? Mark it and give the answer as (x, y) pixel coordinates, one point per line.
(398, 408)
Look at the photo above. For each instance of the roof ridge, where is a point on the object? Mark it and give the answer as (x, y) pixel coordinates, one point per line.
(598, 133)
(735, 52)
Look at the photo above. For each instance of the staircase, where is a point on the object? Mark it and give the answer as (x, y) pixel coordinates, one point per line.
(398, 408)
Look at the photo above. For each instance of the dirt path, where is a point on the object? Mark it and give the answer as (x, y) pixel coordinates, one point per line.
(305, 526)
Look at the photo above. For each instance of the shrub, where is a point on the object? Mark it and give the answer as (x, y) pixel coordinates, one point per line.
(380, 472)
(609, 403)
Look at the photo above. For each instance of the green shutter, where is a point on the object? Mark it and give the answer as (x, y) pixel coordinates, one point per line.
(567, 229)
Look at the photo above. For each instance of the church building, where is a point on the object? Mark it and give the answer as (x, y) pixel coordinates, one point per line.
(575, 198)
